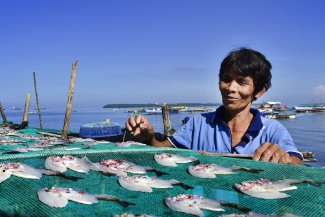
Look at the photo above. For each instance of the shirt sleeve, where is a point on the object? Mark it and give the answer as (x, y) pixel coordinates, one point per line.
(285, 141)
(183, 137)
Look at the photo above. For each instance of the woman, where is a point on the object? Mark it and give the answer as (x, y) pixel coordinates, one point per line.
(234, 128)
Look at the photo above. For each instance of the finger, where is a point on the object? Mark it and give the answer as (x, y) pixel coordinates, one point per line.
(132, 122)
(127, 126)
(277, 155)
(259, 151)
(139, 119)
(268, 153)
(285, 159)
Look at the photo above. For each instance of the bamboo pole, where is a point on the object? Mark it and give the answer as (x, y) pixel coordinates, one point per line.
(39, 111)
(70, 99)
(25, 118)
(3, 114)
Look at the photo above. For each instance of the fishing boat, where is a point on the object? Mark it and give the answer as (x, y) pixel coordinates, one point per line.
(310, 108)
(153, 111)
(13, 108)
(39, 108)
(117, 110)
(178, 109)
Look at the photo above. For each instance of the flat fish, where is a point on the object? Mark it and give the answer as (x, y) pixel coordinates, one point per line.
(80, 140)
(130, 167)
(268, 189)
(145, 183)
(170, 160)
(26, 171)
(56, 163)
(127, 143)
(90, 143)
(192, 204)
(211, 170)
(59, 197)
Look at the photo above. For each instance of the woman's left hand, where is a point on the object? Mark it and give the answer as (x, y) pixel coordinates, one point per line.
(272, 152)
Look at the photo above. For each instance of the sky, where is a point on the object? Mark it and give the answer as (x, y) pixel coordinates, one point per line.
(145, 51)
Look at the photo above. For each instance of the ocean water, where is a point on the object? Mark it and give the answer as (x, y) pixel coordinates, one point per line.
(307, 129)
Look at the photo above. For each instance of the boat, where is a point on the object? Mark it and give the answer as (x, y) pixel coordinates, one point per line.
(13, 108)
(310, 108)
(177, 109)
(117, 110)
(39, 108)
(153, 111)
(32, 112)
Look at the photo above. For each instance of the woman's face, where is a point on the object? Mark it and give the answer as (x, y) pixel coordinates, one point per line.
(237, 91)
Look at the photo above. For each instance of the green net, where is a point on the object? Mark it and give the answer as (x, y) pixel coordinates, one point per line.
(19, 195)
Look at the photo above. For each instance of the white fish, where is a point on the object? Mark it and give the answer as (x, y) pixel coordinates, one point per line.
(170, 160)
(90, 143)
(26, 171)
(210, 170)
(192, 204)
(75, 164)
(26, 149)
(40, 145)
(56, 163)
(58, 197)
(74, 139)
(268, 189)
(145, 183)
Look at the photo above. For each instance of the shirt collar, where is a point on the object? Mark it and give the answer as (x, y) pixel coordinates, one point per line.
(255, 125)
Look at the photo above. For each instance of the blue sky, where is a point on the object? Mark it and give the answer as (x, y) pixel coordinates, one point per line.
(145, 51)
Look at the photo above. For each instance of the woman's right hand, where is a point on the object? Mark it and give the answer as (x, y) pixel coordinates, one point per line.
(139, 127)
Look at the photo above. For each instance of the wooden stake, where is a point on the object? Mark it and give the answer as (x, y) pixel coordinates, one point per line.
(70, 98)
(25, 118)
(3, 114)
(166, 118)
(39, 111)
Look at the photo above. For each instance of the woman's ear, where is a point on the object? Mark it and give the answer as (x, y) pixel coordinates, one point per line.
(259, 94)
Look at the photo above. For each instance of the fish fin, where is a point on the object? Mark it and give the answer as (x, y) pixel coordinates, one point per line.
(245, 168)
(72, 178)
(113, 198)
(266, 195)
(313, 182)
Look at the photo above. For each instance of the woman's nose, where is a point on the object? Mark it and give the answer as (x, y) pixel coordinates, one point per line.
(232, 86)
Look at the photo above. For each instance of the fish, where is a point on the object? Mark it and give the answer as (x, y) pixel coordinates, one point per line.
(40, 145)
(134, 215)
(127, 143)
(74, 139)
(59, 197)
(90, 143)
(170, 160)
(268, 189)
(25, 171)
(211, 170)
(129, 167)
(145, 183)
(192, 204)
(56, 163)
(254, 214)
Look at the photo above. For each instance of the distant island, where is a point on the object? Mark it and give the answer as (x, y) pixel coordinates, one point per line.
(150, 105)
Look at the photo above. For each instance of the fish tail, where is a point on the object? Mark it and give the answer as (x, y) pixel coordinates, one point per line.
(113, 198)
(235, 205)
(185, 186)
(313, 182)
(196, 162)
(255, 171)
(72, 178)
(108, 174)
(245, 168)
(158, 172)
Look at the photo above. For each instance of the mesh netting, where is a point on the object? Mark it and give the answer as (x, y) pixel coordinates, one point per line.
(19, 195)
(100, 130)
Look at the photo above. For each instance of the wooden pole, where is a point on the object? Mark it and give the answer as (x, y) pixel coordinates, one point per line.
(3, 114)
(25, 118)
(166, 118)
(39, 111)
(70, 99)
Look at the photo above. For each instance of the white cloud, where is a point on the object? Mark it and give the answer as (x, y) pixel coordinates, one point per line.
(319, 89)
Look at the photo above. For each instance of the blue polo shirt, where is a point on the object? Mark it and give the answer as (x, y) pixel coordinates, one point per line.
(209, 132)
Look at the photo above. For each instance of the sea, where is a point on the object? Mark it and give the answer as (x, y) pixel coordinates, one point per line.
(307, 129)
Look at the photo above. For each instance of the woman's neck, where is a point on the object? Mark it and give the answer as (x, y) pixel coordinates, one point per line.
(238, 118)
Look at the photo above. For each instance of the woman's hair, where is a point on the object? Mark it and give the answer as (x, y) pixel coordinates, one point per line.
(246, 62)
